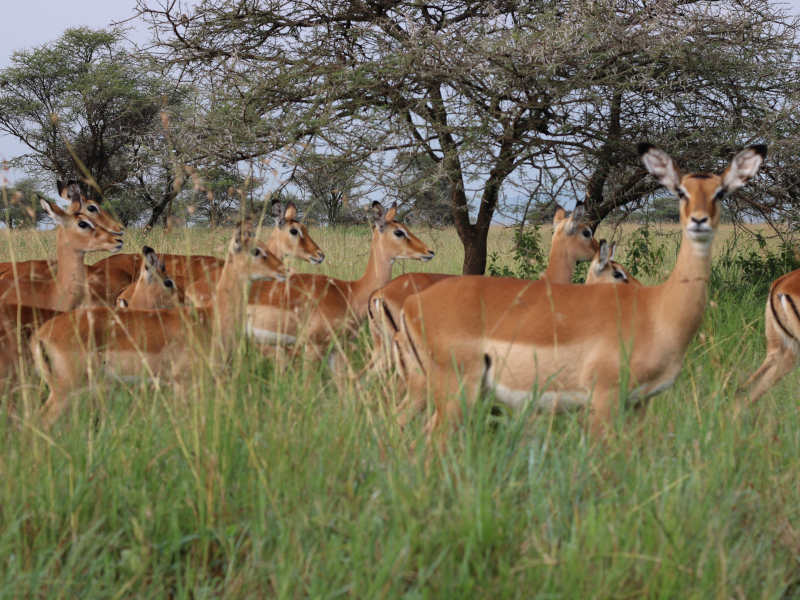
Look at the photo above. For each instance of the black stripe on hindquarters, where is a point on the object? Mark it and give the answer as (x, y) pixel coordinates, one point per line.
(413, 347)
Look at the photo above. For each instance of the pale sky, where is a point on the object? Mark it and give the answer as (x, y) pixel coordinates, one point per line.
(28, 23)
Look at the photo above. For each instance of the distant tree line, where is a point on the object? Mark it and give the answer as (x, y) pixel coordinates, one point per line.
(448, 107)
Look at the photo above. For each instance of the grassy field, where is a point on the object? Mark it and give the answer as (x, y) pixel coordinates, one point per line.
(285, 480)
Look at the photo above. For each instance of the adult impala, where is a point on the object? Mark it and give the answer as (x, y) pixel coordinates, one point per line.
(569, 342)
(153, 289)
(315, 306)
(572, 241)
(289, 238)
(131, 343)
(76, 202)
(77, 235)
(782, 330)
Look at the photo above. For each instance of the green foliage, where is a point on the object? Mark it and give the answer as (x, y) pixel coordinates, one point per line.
(752, 266)
(644, 256)
(529, 256)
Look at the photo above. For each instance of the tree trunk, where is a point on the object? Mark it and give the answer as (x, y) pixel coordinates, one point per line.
(168, 196)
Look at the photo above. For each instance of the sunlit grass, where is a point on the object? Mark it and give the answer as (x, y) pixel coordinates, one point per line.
(268, 479)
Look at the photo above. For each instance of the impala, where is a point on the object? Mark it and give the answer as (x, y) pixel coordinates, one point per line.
(782, 330)
(17, 324)
(603, 268)
(568, 342)
(131, 343)
(77, 202)
(289, 237)
(153, 289)
(315, 305)
(572, 242)
(77, 234)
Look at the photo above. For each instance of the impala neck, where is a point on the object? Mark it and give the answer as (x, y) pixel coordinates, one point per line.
(229, 305)
(560, 265)
(70, 273)
(683, 295)
(378, 274)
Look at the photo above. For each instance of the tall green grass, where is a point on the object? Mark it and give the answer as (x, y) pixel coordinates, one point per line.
(281, 478)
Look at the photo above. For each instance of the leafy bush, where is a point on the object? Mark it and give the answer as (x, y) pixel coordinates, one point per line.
(752, 267)
(529, 256)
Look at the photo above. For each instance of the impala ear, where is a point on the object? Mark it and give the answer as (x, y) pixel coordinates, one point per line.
(559, 216)
(661, 166)
(276, 210)
(743, 166)
(391, 213)
(243, 236)
(377, 215)
(603, 256)
(57, 214)
(576, 218)
(150, 262)
(612, 250)
(291, 212)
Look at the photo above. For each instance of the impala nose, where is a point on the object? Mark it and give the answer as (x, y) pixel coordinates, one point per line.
(700, 221)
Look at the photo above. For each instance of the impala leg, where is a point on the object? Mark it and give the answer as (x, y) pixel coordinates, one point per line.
(603, 407)
(775, 366)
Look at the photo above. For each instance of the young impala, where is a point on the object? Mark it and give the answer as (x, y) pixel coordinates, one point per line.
(131, 343)
(315, 306)
(77, 202)
(569, 342)
(603, 268)
(572, 242)
(153, 289)
(782, 330)
(77, 234)
(289, 238)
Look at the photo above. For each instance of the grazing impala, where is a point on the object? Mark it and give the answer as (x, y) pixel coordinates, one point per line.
(782, 330)
(77, 202)
(568, 342)
(77, 235)
(572, 242)
(153, 289)
(289, 238)
(132, 343)
(315, 306)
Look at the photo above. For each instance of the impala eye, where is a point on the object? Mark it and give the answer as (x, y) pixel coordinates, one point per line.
(719, 195)
(92, 208)
(399, 233)
(587, 233)
(619, 275)
(255, 251)
(168, 284)
(293, 231)
(84, 225)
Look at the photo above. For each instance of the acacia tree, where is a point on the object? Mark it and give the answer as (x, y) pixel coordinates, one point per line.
(81, 105)
(489, 91)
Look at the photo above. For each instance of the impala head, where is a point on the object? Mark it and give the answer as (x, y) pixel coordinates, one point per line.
(700, 193)
(82, 231)
(71, 192)
(572, 235)
(251, 258)
(153, 289)
(394, 238)
(290, 237)
(603, 268)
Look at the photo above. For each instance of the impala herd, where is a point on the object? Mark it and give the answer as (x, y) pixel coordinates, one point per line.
(451, 339)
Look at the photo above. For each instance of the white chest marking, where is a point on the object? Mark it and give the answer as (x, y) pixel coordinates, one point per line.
(265, 336)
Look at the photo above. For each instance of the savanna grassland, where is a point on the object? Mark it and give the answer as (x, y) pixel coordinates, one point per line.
(282, 478)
